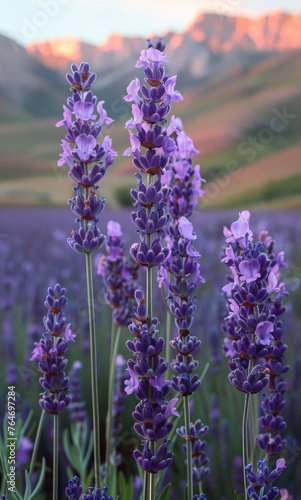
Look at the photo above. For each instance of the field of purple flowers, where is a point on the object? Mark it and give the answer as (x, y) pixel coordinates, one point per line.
(34, 255)
(211, 407)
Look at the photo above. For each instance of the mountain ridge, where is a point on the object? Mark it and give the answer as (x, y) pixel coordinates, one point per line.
(275, 31)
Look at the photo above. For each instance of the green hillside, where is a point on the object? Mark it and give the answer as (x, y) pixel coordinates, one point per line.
(245, 123)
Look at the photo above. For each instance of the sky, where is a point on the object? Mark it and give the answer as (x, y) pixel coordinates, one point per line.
(28, 21)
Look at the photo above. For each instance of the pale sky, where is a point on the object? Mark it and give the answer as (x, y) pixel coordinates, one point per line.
(28, 21)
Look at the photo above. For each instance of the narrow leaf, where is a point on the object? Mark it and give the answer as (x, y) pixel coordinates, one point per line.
(237, 496)
(165, 495)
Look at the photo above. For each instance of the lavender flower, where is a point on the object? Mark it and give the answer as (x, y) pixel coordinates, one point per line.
(198, 448)
(151, 146)
(80, 150)
(74, 491)
(49, 352)
(119, 276)
(260, 483)
(253, 331)
(184, 178)
(147, 381)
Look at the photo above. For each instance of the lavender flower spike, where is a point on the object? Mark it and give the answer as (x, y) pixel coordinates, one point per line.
(74, 492)
(50, 350)
(151, 146)
(253, 333)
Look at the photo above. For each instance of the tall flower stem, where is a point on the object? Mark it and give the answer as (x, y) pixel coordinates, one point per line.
(169, 325)
(245, 453)
(148, 478)
(245, 433)
(114, 349)
(188, 448)
(94, 383)
(36, 443)
(55, 471)
(253, 429)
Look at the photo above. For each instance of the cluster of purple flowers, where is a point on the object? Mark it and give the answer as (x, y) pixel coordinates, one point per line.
(180, 275)
(150, 108)
(253, 331)
(74, 492)
(260, 483)
(272, 422)
(147, 369)
(183, 266)
(182, 176)
(50, 350)
(80, 150)
(119, 276)
(149, 119)
(147, 381)
(199, 457)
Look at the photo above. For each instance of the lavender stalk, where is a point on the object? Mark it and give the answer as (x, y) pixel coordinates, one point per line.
(49, 352)
(251, 330)
(119, 277)
(82, 132)
(180, 274)
(147, 371)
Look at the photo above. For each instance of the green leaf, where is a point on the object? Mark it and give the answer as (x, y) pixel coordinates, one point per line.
(26, 424)
(40, 482)
(88, 453)
(237, 496)
(68, 450)
(165, 495)
(122, 486)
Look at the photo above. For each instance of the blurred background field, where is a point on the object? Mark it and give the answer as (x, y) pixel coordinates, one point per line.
(242, 106)
(34, 254)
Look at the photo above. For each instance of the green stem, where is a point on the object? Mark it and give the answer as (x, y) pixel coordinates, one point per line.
(148, 478)
(146, 486)
(245, 453)
(169, 325)
(36, 443)
(245, 434)
(114, 349)
(94, 384)
(253, 428)
(55, 471)
(188, 448)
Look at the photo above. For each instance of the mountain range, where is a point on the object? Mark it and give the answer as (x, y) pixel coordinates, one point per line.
(211, 45)
(233, 73)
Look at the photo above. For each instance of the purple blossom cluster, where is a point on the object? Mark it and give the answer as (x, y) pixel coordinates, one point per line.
(119, 276)
(150, 108)
(147, 369)
(80, 151)
(182, 176)
(199, 456)
(253, 331)
(260, 483)
(50, 350)
(147, 381)
(182, 265)
(74, 491)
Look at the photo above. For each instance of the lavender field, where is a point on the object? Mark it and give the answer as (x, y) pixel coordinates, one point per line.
(34, 255)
